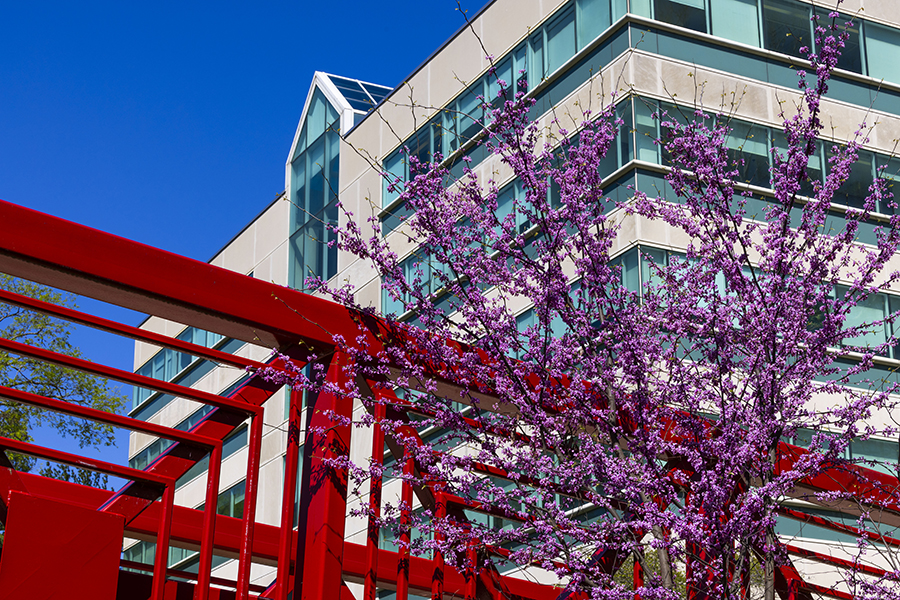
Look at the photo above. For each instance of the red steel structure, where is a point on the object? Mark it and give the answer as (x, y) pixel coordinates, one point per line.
(64, 540)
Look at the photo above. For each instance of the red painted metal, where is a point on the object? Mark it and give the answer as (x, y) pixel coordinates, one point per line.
(204, 567)
(93, 263)
(839, 527)
(84, 462)
(198, 294)
(326, 486)
(48, 541)
(437, 579)
(161, 561)
(124, 376)
(220, 581)
(637, 578)
(287, 495)
(135, 333)
(249, 517)
(167, 484)
(471, 590)
(373, 532)
(406, 500)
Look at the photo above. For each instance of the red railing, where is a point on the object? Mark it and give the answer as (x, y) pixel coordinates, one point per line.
(312, 561)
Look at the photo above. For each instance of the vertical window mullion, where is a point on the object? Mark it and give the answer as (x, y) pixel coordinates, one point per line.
(863, 55)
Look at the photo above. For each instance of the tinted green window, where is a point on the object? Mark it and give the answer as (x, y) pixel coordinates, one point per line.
(854, 190)
(880, 455)
(641, 7)
(786, 26)
(592, 18)
(231, 501)
(882, 44)
(561, 43)
(749, 148)
(690, 14)
(646, 130)
(736, 20)
(851, 55)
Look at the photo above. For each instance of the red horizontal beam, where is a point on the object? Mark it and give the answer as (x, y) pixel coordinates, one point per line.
(834, 561)
(130, 564)
(866, 486)
(126, 376)
(135, 333)
(82, 260)
(101, 416)
(827, 524)
(84, 462)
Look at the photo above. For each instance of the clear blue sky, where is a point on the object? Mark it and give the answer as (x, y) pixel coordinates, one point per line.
(169, 123)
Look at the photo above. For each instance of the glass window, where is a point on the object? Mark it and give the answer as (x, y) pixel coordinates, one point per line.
(469, 113)
(416, 272)
(814, 171)
(231, 501)
(736, 20)
(853, 192)
(592, 19)
(646, 132)
(786, 26)
(652, 259)
(884, 453)
(316, 198)
(333, 148)
(851, 58)
(536, 65)
(864, 312)
(298, 177)
(891, 173)
(504, 73)
(851, 55)
(690, 14)
(631, 275)
(882, 44)
(748, 146)
(641, 7)
(561, 44)
(315, 115)
(394, 167)
(234, 442)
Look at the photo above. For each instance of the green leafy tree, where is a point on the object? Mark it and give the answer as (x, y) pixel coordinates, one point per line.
(18, 421)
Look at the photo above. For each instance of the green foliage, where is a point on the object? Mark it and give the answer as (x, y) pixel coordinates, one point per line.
(625, 575)
(30, 375)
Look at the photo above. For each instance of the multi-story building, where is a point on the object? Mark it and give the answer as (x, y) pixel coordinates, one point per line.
(738, 56)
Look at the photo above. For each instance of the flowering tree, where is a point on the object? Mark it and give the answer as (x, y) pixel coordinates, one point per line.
(616, 422)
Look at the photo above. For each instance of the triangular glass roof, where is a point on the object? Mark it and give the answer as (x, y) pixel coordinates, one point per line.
(360, 95)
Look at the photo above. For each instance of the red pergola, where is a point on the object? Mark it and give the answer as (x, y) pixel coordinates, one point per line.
(64, 540)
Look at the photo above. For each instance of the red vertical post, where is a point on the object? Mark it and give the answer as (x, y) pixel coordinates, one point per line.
(406, 496)
(637, 578)
(161, 560)
(471, 575)
(374, 531)
(318, 569)
(204, 567)
(287, 495)
(437, 576)
(245, 558)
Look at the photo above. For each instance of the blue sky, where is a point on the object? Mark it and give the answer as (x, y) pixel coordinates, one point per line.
(169, 123)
